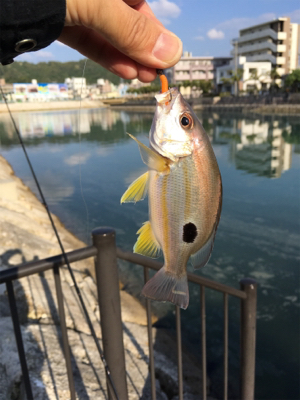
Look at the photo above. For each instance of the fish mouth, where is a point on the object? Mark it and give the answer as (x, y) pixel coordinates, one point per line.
(167, 98)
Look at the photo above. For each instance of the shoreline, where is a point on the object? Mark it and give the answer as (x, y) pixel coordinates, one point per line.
(51, 106)
(256, 108)
(280, 109)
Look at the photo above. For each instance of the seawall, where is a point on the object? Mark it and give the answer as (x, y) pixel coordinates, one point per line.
(51, 105)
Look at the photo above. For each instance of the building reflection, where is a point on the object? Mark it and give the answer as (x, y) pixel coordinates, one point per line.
(38, 125)
(256, 146)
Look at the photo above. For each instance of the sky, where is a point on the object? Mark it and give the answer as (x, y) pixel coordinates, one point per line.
(205, 27)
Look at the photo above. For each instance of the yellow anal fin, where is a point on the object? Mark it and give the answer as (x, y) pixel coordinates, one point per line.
(146, 243)
(152, 158)
(137, 190)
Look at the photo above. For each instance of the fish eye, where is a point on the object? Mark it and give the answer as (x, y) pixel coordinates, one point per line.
(186, 121)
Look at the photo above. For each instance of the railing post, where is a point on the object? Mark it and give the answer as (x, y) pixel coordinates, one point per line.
(19, 340)
(110, 308)
(248, 338)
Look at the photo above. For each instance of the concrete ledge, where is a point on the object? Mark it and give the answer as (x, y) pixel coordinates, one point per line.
(51, 105)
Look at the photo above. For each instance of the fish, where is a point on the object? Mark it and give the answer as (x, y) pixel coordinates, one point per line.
(184, 186)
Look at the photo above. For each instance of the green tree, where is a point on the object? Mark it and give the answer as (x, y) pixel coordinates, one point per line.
(235, 77)
(274, 75)
(254, 76)
(186, 83)
(206, 86)
(293, 81)
(53, 71)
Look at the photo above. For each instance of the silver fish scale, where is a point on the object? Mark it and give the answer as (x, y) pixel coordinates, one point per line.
(176, 200)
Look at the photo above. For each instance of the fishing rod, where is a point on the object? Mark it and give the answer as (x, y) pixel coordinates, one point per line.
(106, 367)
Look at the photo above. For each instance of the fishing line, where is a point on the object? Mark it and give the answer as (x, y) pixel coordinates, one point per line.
(107, 371)
(80, 174)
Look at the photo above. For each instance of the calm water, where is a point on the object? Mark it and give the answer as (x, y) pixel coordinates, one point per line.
(258, 235)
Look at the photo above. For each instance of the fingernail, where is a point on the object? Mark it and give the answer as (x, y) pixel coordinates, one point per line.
(166, 47)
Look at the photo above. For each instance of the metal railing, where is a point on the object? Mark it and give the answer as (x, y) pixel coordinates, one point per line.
(106, 253)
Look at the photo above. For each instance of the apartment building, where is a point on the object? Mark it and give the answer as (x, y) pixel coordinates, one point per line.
(276, 41)
(191, 68)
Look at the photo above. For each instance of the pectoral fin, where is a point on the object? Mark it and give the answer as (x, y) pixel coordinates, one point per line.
(151, 158)
(137, 190)
(146, 243)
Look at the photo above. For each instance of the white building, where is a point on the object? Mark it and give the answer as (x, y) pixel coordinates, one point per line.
(261, 70)
(276, 41)
(76, 87)
(197, 68)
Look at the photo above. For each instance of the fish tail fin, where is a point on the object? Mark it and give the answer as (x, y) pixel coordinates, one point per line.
(165, 286)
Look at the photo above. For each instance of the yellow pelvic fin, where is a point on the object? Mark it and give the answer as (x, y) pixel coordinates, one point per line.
(151, 158)
(137, 190)
(146, 243)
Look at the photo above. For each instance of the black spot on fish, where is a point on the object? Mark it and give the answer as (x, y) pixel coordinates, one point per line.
(189, 232)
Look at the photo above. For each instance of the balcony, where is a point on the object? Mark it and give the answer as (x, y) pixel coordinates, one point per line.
(280, 60)
(202, 67)
(182, 67)
(262, 57)
(260, 34)
(281, 36)
(199, 76)
(258, 46)
(281, 48)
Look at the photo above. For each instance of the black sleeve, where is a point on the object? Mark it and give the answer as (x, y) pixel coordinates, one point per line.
(29, 25)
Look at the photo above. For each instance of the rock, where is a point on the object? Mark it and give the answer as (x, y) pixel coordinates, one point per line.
(132, 311)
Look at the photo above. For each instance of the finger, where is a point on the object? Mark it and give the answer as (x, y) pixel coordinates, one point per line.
(92, 45)
(132, 32)
(146, 74)
(133, 3)
(144, 8)
(86, 41)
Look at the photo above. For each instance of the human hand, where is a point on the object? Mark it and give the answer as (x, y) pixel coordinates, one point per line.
(122, 35)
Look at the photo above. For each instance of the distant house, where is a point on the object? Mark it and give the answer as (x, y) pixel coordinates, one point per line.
(77, 87)
(36, 91)
(197, 68)
(255, 76)
(6, 87)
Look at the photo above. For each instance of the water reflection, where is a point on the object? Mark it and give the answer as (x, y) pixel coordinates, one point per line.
(40, 124)
(260, 147)
(64, 126)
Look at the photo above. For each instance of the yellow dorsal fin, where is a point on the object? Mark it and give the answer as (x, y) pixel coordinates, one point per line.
(151, 158)
(137, 190)
(146, 243)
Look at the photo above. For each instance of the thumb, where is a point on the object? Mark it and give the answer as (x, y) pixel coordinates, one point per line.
(134, 33)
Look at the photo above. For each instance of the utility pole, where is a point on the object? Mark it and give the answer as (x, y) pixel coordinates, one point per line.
(235, 66)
